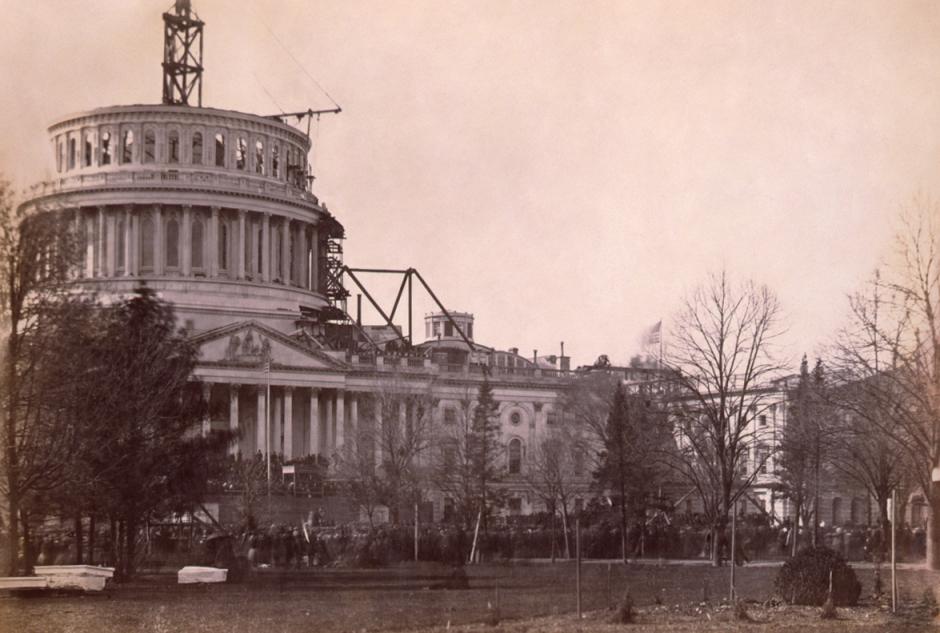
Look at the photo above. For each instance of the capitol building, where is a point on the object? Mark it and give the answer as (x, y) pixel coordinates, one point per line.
(213, 210)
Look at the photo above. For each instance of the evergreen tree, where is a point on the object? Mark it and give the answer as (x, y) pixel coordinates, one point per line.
(485, 452)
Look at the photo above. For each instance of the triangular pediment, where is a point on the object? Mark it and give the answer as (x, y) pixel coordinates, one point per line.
(249, 343)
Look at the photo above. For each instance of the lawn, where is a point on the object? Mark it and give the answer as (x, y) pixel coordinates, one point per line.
(668, 598)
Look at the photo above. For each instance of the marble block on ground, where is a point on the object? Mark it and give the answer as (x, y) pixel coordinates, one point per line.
(192, 574)
(81, 577)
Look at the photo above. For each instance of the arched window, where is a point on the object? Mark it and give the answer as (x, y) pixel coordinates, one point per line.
(855, 513)
(259, 157)
(836, 511)
(515, 456)
(275, 161)
(223, 245)
(146, 244)
(197, 148)
(127, 147)
(88, 150)
(60, 156)
(119, 243)
(73, 153)
(173, 146)
(241, 152)
(197, 240)
(106, 148)
(172, 243)
(577, 458)
(150, 146)
(219, 150)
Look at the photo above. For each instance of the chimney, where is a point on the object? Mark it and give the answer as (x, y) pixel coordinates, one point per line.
(513, 350)
(535, 357)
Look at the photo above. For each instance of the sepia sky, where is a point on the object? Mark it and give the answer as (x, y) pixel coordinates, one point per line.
(564, 170)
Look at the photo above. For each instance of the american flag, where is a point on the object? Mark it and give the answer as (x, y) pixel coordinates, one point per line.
(654, 335)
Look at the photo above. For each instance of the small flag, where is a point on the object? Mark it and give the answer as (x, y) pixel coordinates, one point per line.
(654, 335)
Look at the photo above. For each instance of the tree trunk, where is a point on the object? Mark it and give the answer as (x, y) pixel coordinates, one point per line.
(29, 559)
(885, 525)
(113, 545)
(933, 527)
(13, 506)
(79, 538)
(794, 545)
(91, 539)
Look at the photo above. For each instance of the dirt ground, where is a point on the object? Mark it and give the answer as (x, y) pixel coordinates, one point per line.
(529, 597)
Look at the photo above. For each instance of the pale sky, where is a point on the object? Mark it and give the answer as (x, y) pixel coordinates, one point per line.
(564, 170)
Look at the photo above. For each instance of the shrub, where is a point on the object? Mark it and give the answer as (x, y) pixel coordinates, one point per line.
(624, 613)
(804, 579)
(740, 611)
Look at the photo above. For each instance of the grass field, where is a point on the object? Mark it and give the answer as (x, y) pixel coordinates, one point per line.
(668, 598)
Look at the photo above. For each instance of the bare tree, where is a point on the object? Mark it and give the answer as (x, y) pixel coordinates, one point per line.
(555, 464)
(387, 460)
(721, 353)
(890, 349)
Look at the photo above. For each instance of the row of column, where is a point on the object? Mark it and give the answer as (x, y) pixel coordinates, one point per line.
(327, 414)
(239, 244)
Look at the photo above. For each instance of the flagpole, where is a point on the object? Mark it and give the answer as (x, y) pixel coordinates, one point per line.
(267, 418)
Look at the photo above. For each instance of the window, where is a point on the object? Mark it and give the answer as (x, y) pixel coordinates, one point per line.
(72, 153)
(515, 456)
(577, 460)
(197, 239)
(449, 513)
(60, 157)
(437, 328)
(837, 511)
(448, 329)
(173, 147)
(259, 157)
(219, 150)
(450, 415)
(241, 152)
(449, 454)
(127, 147)
(146, 244)
(275, 161)
(762, 420)
(172, 243)
(223, 245)
(515, 418)
(197, 148)
(551, 418)
(470, 331)
(88, 150)
(106, 148)
(515, 505)
(578, 505)
(150, 146)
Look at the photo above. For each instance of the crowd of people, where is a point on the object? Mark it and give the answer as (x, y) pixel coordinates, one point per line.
(316, 543)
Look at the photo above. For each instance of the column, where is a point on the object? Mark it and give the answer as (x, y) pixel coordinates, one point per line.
(330, 418)
(288, 423)
(302, 269)
(207, 397)
(354, 417)
(314, 422)
(377, 430)
(89, 228)
(340, 419)
(240, 254)
(128, 239)
(212, 251)
(187, 255)
(252, 260)
(111, 268)
(233, 418)
(314, 274)
(100, 243)
(285, 251)
(260, 425)
(159, 248)
(266, 248)
(276, 444)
